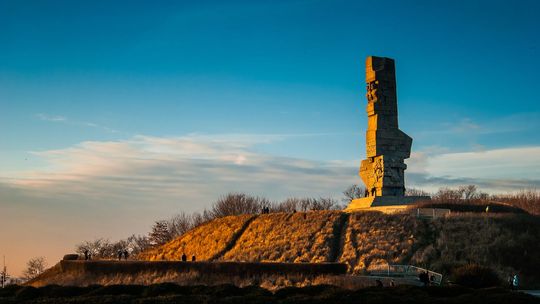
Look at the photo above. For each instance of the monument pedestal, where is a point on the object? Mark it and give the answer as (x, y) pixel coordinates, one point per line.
(386, 204)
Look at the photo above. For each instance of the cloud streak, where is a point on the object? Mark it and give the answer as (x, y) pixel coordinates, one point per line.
(65, 120)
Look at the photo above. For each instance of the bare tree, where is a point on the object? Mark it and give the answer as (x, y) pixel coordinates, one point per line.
(469, 192)
(415, 192)
(137, 244)
(305, 203)
(160, 233)
(288, 205)
(238, 203)
(34, 267)
(98, 248)
(353, 192)
(447, 195)
(201, 218)
(180, 224)
(324, 203)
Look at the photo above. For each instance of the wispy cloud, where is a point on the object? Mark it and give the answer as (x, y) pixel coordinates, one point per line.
(192, 165)
(179, 165)
(53, 118)
(65, 120)
(467, 126)
(496, 170)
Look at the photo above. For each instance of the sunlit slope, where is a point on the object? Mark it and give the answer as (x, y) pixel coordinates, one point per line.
(506, 243)
(289, 237)
(358, 239)
(205, 242)
(373, 238)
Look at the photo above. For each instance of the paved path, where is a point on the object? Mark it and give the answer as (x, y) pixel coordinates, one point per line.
(535, 293)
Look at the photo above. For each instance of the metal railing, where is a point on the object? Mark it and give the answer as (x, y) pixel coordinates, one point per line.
(431, 212)
(404, 271)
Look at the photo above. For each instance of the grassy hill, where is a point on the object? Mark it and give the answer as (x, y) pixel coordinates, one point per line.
(507, 243)
(206, 242)
(288, 237)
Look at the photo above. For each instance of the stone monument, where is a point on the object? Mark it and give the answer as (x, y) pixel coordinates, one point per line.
(387, 146)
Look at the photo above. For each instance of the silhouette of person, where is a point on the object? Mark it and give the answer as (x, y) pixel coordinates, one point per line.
(424, 278)
(119, 254)
(86, 255)
(126, 254)
(184, 257)
(193, 258)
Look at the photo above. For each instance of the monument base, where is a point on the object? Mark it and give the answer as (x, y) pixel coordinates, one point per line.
(386, 204)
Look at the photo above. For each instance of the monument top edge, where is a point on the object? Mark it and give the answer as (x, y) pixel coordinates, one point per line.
(376, 63)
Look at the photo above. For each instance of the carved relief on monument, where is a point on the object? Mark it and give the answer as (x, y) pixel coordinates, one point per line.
(386, 146)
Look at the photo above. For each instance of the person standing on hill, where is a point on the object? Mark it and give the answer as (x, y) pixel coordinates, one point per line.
(119, 254)
(184, 257)
(515, 282)
(193, 258)
(126, 254)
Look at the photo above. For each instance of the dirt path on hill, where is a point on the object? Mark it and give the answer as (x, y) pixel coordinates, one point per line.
(233, 240)
(339, 237)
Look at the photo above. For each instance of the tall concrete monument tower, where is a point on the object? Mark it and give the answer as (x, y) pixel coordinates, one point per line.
(387, 146)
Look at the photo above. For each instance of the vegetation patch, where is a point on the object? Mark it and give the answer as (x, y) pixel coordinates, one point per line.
(299, 237)
(203, 242)
(171, 293)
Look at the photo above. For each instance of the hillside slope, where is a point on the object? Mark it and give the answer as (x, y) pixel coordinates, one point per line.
(372, 238)
(288, 237)
(508, 243)
(205, 242)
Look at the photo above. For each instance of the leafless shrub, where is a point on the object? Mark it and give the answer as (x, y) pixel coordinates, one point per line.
(528, 200)
(354, 192)
(34, 267)
(289, 205)
(415, 192)
(98, 248)
(238, 203)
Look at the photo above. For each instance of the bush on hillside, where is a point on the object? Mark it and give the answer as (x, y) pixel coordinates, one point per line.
(475, 276)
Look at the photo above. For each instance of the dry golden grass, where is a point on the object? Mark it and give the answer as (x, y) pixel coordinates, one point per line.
(287, 237)
(373, 238)
(204, 241)
(507, 244)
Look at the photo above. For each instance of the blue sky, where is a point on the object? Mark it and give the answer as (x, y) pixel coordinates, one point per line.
(130, 111)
